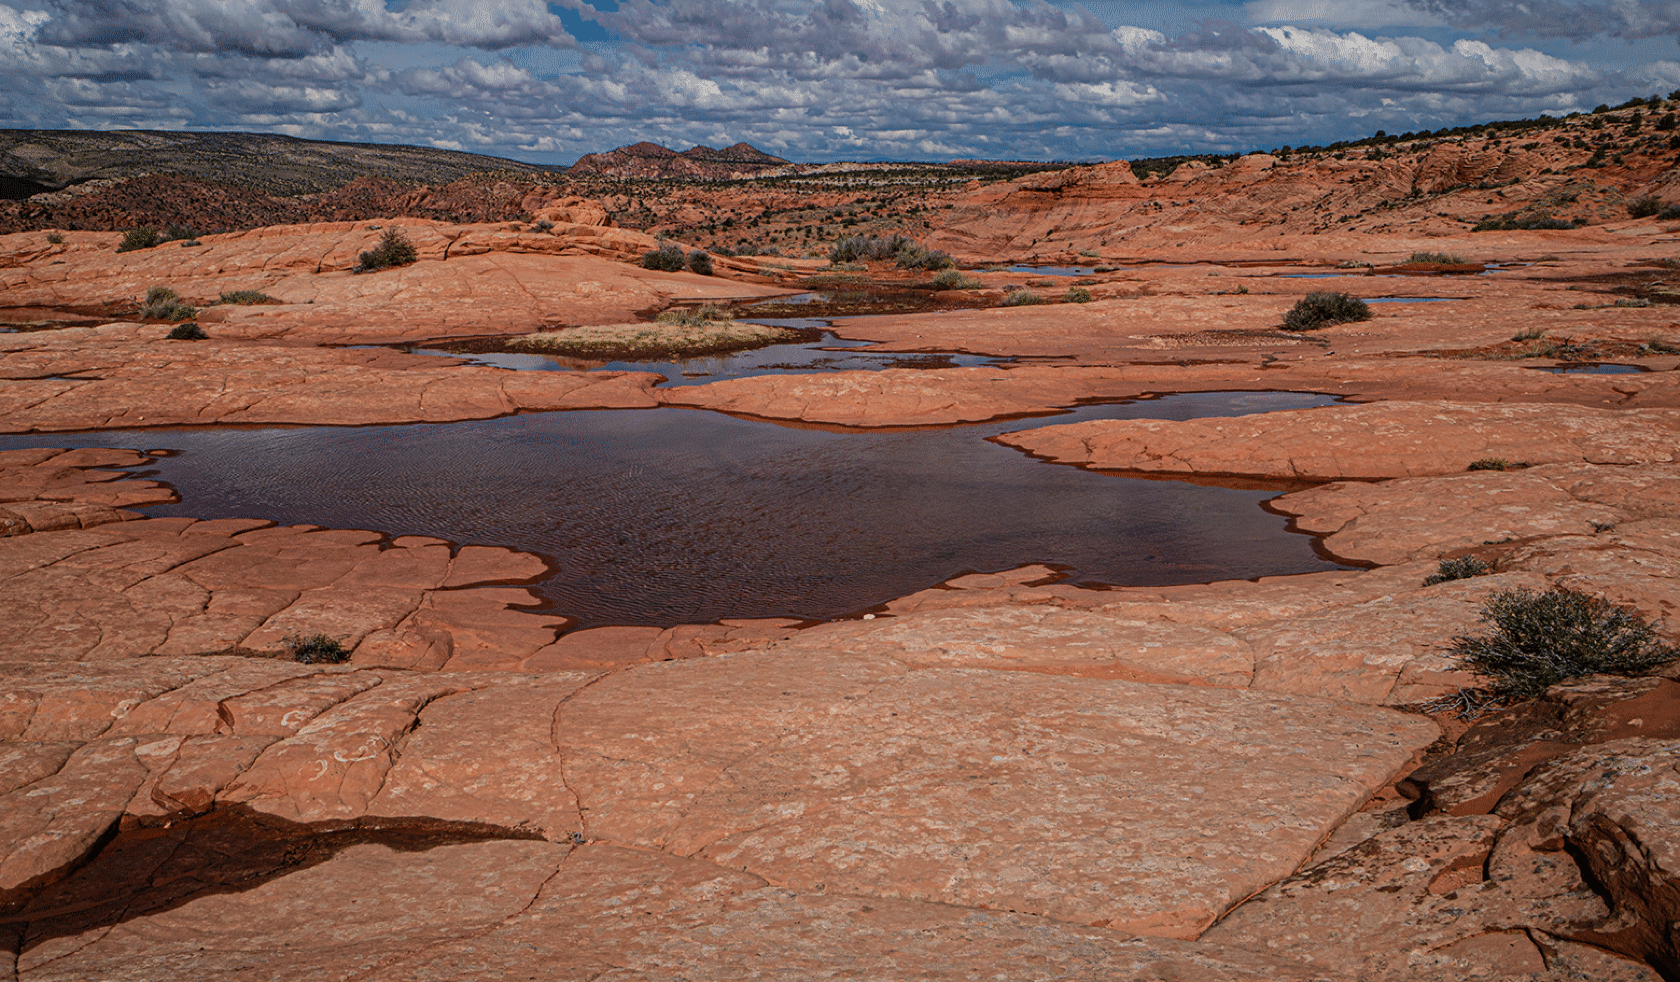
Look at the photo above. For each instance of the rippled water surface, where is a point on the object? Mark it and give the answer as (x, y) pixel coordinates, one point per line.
(669, 515)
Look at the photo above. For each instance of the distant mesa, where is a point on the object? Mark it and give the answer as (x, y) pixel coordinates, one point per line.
(652, 160)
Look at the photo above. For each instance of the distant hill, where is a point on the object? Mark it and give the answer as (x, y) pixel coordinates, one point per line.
(34, 161)
(650, 160)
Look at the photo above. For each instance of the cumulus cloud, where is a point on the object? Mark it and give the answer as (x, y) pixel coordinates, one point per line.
(1560, 18)
(809, 79)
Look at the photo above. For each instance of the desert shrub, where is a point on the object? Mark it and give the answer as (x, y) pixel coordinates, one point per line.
(1461, 568)
(187, 332)
(245, 298)
(952, 279)
(699, 261)
(1446, 258)
(55, 238)
(1089, 253)
(1077, 294)
(1022, 298)
(1541, 639)
(1492, 464)
(1529, 334)
(393, 249)
(1322, 309)
(695, 316)
(316, 649)
(1645, 206)
(1515, 222)
(914, 256)
(856, 248)
(143, 237)
(668, 258)
(543, 225)
(178, 233)
(164, 304)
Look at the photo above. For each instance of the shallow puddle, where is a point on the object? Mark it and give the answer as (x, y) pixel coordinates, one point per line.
(826, 354)
(666, 516)
(1593, 369)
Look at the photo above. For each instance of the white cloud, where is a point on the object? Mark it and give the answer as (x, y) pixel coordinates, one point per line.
(1364, 14)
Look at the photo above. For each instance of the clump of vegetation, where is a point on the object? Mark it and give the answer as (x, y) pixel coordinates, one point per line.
(189, 331)
(164, 304)
(543, 225)
(316, 649)
(1514, 221)
(1322, 309)
(1541, 639)
(1645, 206)
(706, 313)
(245, 298)
(668, 258)
(1494, 464)
(952, 279)
(1020, 297)
(1077, 294)
(1441, 258)
(1460, 568)
(393, 249)
(144, 237)
(904, 251)
(1529, 334)
(699, 261)
(55, 238)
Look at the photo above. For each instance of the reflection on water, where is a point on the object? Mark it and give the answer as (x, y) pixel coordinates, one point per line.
(669, 515)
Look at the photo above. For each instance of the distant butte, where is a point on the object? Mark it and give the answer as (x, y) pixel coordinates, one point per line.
(652, 160)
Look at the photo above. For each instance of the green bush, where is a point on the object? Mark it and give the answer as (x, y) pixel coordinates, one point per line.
(1512, 221)
(316, 649)
(1492, 464)
(1077, 294)
(1529, 334)
(952, 279)
(164, 304)
(1645, 206)
(1022, 298)
(862, 248)
(668, 258)
(178, 233)
(393, 249)
(1461, 568)
(144, 237)
(1445, 258)
(700, 262)
(55, 238)
(1316, 310)
(245, 298)
(914, 256)
(1541, 639)
(187, 332)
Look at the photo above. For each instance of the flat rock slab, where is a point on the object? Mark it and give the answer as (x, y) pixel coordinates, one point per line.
(1422, 518)
(128, 375)
(1147, 808)
(401, 912)
(911, 397)
(175, 586)
(1372, 442)
(469, 280)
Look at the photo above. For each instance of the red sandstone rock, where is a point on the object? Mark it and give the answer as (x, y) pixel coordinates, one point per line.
(1383, 440)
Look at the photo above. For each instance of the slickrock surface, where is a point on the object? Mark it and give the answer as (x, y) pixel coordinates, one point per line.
(470, 279)
(903, 397)
(852, 776)
(48, 490)
(120, 376)
(557, 912)
(1390, 439)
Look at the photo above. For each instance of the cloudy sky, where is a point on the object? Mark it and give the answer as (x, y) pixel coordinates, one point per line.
(821, 80)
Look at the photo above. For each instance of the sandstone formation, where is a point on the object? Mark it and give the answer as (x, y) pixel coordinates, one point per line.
(1389, 439)
(652, 160)
(1004, 775)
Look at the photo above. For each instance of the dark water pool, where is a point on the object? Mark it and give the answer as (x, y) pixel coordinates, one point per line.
(1593, 369)
(668, 515)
